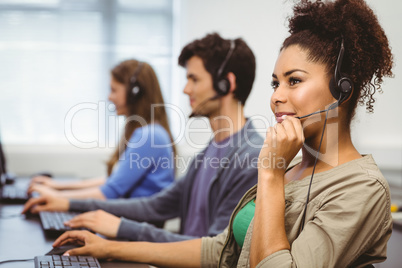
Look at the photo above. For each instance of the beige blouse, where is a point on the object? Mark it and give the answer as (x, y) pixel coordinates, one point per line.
(348, 222)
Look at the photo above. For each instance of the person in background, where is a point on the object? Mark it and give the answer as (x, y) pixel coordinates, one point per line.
(220, 76)
(336, 56)
(134, 92)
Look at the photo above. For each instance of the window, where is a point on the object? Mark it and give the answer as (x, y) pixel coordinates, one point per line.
(55, 56)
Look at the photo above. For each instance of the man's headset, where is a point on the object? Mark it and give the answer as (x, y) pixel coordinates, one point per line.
(341, 86)
(221, 83)
(134, 87)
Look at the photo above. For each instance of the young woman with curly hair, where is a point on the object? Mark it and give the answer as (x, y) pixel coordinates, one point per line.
(331, 208)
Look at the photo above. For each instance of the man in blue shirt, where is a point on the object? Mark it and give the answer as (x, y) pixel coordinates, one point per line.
(220, 75)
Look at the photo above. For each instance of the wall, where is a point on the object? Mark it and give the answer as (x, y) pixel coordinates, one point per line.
(262, 24)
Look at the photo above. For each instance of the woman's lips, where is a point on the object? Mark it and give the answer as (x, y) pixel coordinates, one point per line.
(279, 118)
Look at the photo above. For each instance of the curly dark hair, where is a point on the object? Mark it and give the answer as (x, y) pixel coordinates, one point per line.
(212, 49)
(318, 28)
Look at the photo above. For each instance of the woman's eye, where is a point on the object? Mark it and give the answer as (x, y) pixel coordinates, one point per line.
(293, 81)
(274, 84)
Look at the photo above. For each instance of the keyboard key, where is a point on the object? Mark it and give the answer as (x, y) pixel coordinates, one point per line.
(66, 261)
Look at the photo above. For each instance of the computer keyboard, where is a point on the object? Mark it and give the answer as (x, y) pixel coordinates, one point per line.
(65, 261)
(12, 194)
(54, 221)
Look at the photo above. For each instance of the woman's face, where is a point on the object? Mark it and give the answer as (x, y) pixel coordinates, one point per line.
(118, 96)
(300, 86)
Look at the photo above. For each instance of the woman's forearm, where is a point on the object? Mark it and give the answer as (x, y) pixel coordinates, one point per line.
(85, 193)
(81, 184)
(269, 234)
(178, 254)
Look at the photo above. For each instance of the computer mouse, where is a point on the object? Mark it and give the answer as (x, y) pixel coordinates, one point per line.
(60, 250)
(30, 215)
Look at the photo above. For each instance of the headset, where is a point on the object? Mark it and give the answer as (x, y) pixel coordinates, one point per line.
(341, 88)
(222, 84)
(340, 85)
(134, 88)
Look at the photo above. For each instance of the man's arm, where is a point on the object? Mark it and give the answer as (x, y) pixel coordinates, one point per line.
(142, 231)
(242, 180)
(161, 206)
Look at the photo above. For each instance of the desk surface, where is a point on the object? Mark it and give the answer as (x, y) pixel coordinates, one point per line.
(23, 238)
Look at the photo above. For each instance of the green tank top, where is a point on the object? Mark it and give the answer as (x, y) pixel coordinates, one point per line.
(242, 221)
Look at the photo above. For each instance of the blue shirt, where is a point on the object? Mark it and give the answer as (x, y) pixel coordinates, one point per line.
(145, 167)
(197, 224)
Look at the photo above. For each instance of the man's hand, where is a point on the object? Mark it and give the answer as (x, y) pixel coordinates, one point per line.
(98, 221)
(46, 203)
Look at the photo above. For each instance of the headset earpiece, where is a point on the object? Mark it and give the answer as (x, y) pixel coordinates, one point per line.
(223, 87)
(134, 87)
(222, 84)
(341, 86)
(342, 90)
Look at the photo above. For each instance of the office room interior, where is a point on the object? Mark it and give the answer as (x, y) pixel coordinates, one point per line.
(55, 61)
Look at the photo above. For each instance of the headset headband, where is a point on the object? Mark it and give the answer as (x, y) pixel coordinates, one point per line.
(133, 79)
(232, 47)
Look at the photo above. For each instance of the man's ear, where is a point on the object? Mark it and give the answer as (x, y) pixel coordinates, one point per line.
(232, 80)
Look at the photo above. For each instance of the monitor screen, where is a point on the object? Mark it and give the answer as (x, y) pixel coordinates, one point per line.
(2, 160)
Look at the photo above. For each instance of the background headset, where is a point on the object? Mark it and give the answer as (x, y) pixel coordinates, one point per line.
(134, 88)
(340, 85)
(341, 88)
(222, 84)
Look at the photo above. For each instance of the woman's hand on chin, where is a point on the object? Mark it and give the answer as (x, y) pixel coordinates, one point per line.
(282, 143)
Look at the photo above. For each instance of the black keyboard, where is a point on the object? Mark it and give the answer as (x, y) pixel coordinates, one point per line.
(54, 221)
(65, 261)
(13, 194)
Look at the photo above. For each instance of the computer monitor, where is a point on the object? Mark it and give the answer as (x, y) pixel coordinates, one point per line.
(3, 171)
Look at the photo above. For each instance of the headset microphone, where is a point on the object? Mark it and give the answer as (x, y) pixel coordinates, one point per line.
(331, 107)
(195, 113)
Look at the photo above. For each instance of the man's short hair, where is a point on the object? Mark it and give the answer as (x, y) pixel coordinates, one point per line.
(213, 49)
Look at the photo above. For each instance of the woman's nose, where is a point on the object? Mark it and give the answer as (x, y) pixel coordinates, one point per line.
(279, 96)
